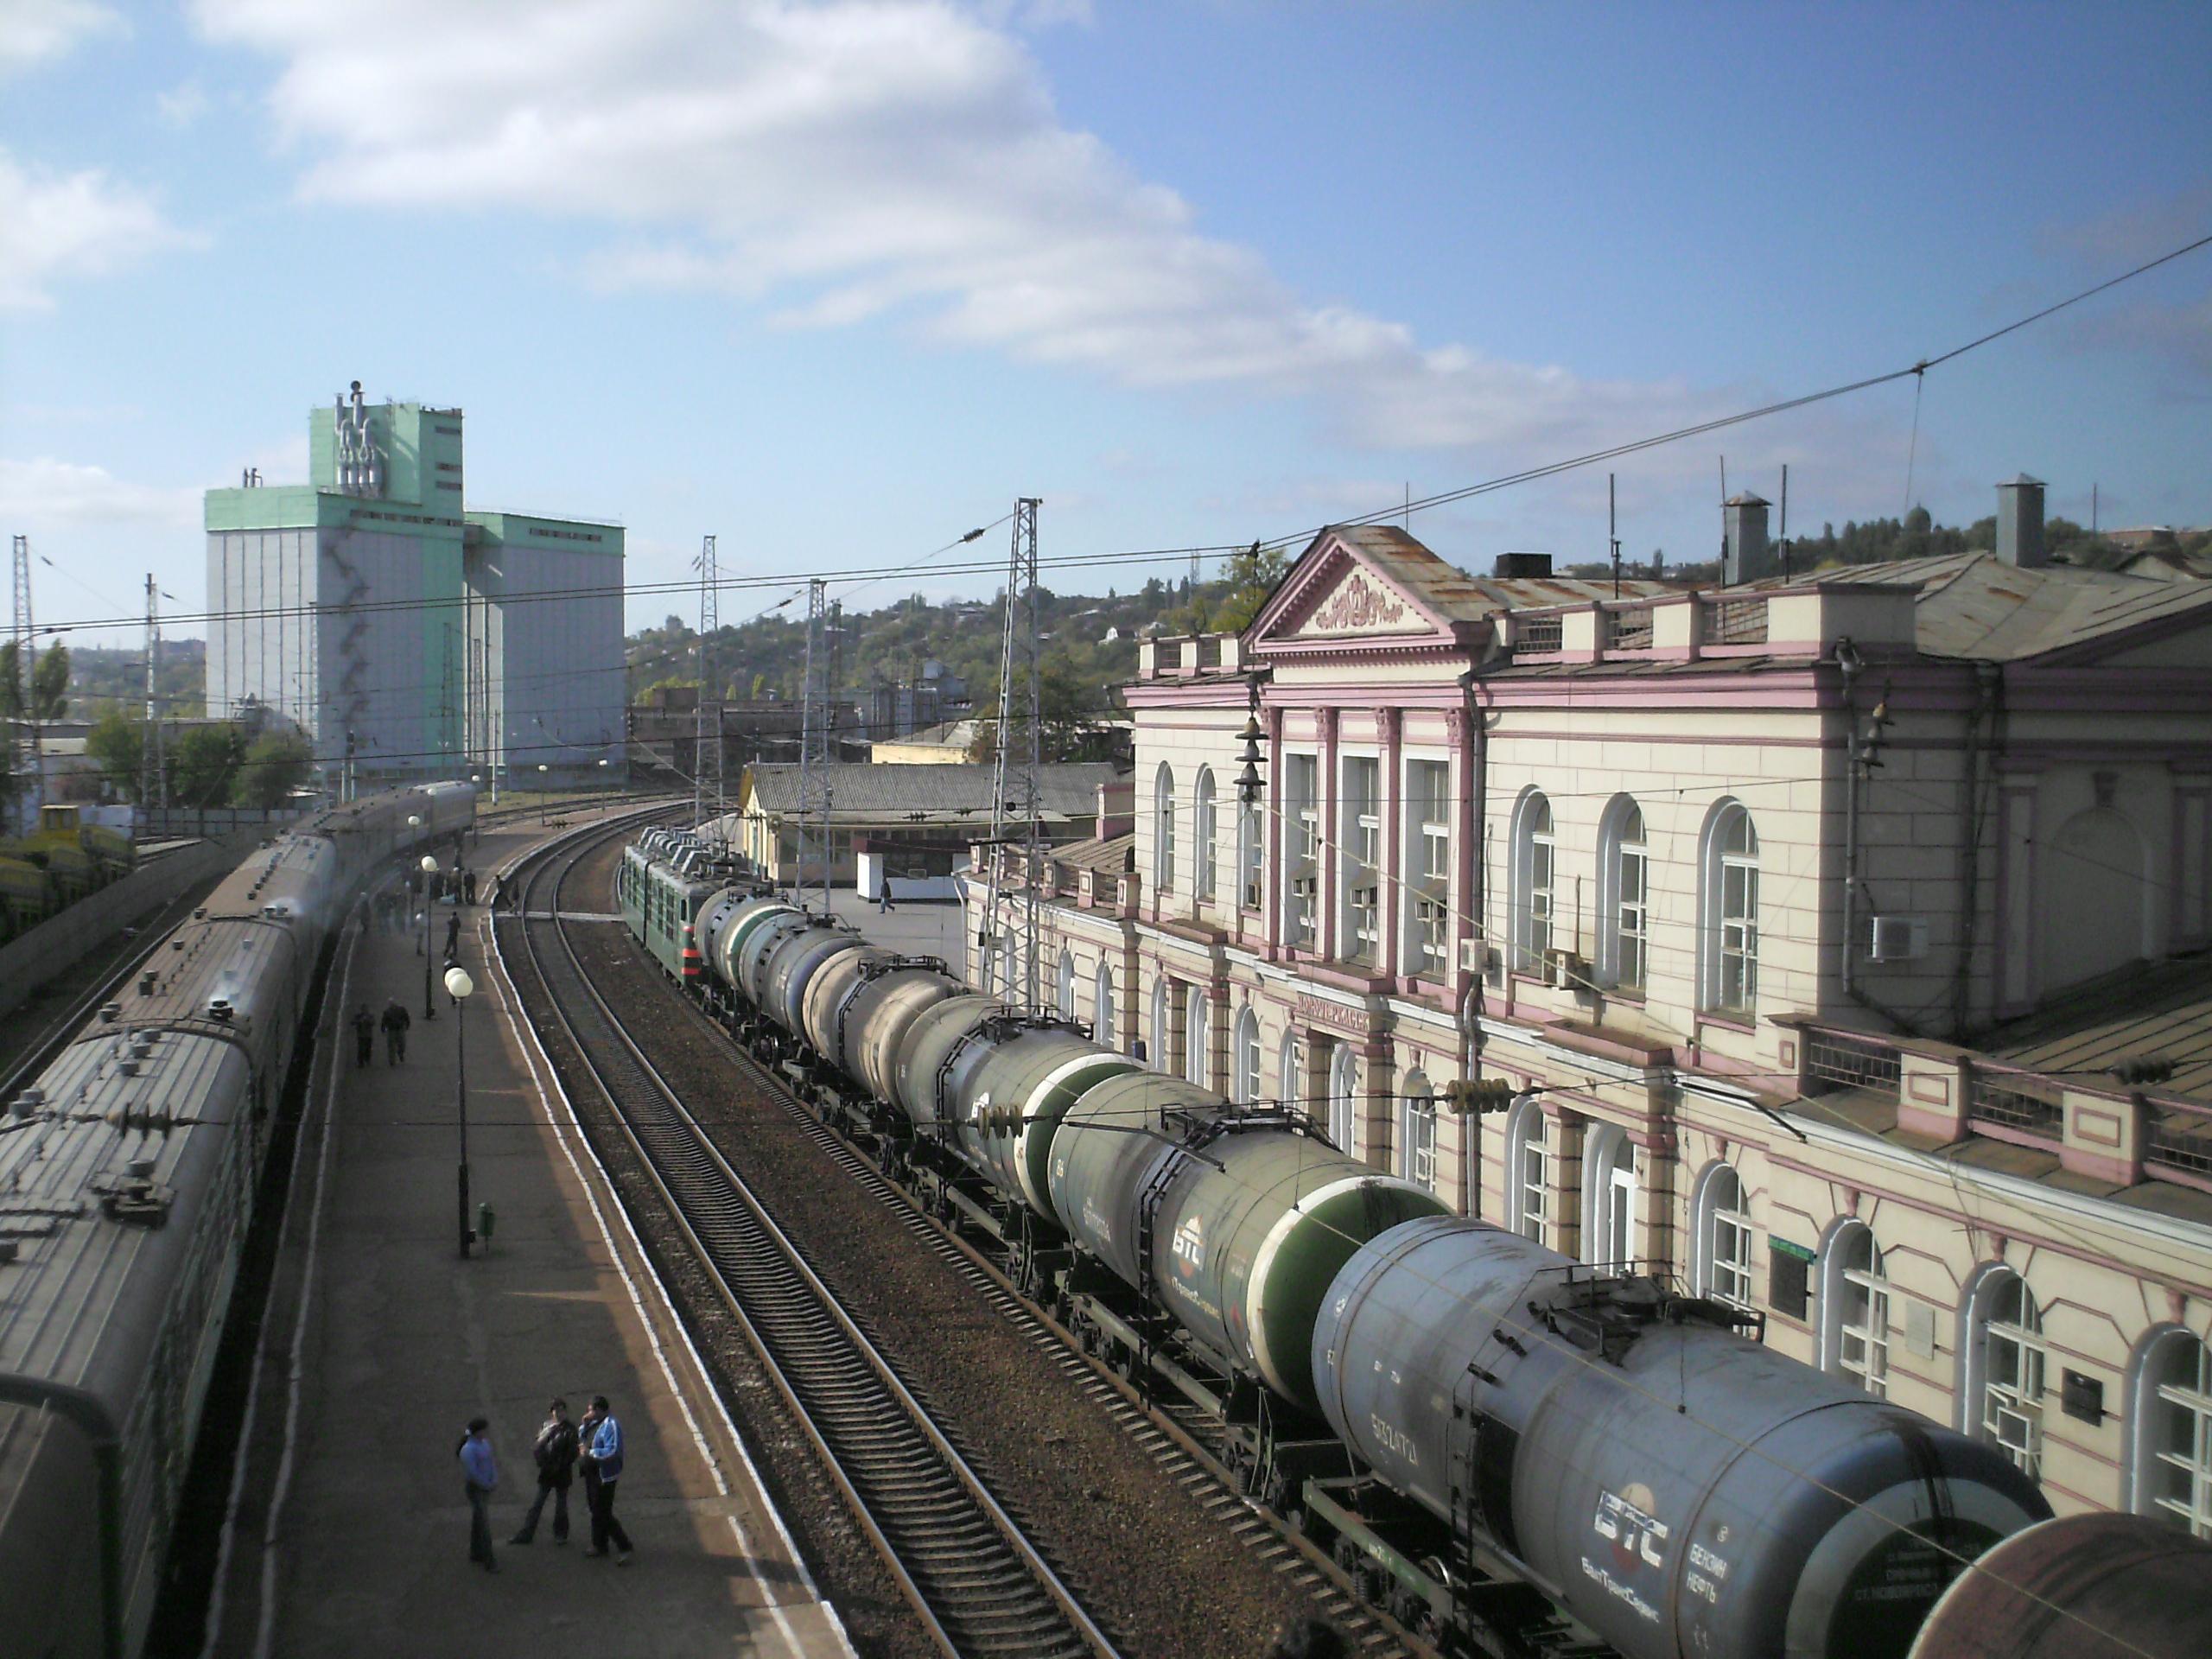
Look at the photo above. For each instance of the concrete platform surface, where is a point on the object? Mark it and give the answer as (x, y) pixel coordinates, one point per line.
(349, 1527)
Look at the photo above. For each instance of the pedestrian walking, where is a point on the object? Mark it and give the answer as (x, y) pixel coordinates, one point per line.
(364, 1036)
(480, 1474)
(394, 1023)
(883, 904)
(555, 1452)
(453, 937)
(468, 887)
(604, 1454)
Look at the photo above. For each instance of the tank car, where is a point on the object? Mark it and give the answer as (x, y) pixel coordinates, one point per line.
(2083, 1586)
(1680, 1489)
(129, 1168)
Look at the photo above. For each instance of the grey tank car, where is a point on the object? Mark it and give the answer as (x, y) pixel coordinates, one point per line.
(128, 1176)
(1544, 1433)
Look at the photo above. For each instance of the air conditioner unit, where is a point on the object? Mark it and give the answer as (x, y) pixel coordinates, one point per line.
(1898, 938)
(1564, 971)
(1479, 956)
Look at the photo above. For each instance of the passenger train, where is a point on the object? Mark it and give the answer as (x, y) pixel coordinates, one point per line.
(1512, 1451)
(128, 1171)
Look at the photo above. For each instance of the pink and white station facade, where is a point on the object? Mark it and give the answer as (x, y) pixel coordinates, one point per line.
(1809, 921)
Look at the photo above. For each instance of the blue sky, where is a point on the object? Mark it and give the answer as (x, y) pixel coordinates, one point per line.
(836, 283)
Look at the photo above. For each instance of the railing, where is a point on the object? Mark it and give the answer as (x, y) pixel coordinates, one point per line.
(1835, 1061)
(2167, 1141)
(1628, 630)
(1994, 1097)
(1537, 635)
(1736, 622)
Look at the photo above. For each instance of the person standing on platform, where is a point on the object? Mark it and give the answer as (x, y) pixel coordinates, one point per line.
(468, 887)
(587, 1426)
(394, 1023)
(480, 1473)
(556, 1455)
(604, 1455)
(364, 1036)
(453, 937)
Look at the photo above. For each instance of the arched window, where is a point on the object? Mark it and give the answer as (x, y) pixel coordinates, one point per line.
(2170, 1430)
(1729, 902)
(1064, 987)
(1202, 804)
(1101, 1007)
(1534, 855)
(2002, 1347)
(1290, 1085)
(1163, 830)
(1855, 1300)
(1528, 1175)
(1623, 896)
(1609, 1197)
(1722, 1259)
(1158, 1058)
(1245, 1062)
(1417, 1132)
(1251, 850)
(1197, 1037)
(1343, 1100)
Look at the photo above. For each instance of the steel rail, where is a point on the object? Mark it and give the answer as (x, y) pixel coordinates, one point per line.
(976, 1581)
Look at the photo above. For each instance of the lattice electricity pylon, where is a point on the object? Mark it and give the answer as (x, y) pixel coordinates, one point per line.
(1014, 800)
(153, 771)
(709, 622)
(26, 638)
(814, 748)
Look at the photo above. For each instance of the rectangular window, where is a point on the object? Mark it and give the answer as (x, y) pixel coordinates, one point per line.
(1303, 830)
(2012, 1404)
(1429, 814)
(1864, 1330)
(1739, 934)
(2184, 1449)
(1252, 848)
(1729, 1250)
(1632, 917)
(1534, 1196)
(1363, 845)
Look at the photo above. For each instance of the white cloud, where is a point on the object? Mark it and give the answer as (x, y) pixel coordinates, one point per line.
(34, 31)
(860, 159)
(84, 224)
(182, 106)
(45, 494)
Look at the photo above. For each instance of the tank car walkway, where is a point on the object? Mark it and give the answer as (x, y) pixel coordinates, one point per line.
(350, 1530)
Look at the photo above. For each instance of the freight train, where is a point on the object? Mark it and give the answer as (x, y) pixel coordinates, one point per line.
(129, 1169)
(51, 868)
(1510, 1450)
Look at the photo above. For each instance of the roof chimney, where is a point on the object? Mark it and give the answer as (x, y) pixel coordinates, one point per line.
(1523, 564)
(2019, 523)
(1746, 555)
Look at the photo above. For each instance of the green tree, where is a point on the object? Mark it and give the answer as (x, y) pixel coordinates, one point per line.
(202, 765)
(11, 685)
(117, 744)
(50, 683)
(274, 763)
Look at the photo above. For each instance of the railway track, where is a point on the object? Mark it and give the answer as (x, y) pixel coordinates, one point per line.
(961, 1558)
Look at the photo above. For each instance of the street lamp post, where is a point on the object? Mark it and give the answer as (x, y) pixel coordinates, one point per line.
(429, 872)
(543, 784)
(414, 824)
(461, 985)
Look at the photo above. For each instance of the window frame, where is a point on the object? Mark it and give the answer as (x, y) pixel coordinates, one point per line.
(1624, 905)
(1528, 1172)
(1843, 1281)
(1247, 1058)
(1729, 904)
(1198, 1036)
(1535, 877)
(1417, 1131)
(1428, 932)
(1205, 813)
(1163, 830)
(1343, 1100)
(1722, 1274)
(1611, 1198)
(1361, 862)
(1101, 1006)
(2169, 1386)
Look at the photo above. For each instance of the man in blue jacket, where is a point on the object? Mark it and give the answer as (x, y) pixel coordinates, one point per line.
(604, 1454)
(482, 1474)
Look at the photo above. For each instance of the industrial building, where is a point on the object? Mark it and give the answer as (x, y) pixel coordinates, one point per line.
(405, 634)
(1845, 942)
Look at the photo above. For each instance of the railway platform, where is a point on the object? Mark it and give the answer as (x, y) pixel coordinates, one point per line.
(347, 1530)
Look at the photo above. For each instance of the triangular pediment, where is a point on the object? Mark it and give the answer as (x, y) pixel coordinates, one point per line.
(1362, 586)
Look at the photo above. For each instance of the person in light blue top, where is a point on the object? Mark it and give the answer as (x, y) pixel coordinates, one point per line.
(481, 1472)
(603, 1454)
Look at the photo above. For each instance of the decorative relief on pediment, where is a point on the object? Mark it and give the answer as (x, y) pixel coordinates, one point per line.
(1357, 604)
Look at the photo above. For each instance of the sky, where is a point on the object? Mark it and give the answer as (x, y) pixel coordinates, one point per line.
(837, 282)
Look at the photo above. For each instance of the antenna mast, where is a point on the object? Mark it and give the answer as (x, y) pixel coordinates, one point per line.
(814, 745)
(1613, 533)
(709, 622)
(1018, 650)
(26, 643)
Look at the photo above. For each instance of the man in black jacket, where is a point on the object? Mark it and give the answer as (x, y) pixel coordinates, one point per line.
(556, 1453)
(394, 1023)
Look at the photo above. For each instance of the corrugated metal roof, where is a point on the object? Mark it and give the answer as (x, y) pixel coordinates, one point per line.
(1116, 856)
(886, 791)
(1458, 597)
(2159, 1009)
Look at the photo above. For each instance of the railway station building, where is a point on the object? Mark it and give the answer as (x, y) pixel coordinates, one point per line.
(1843, 940)
(407, 634)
